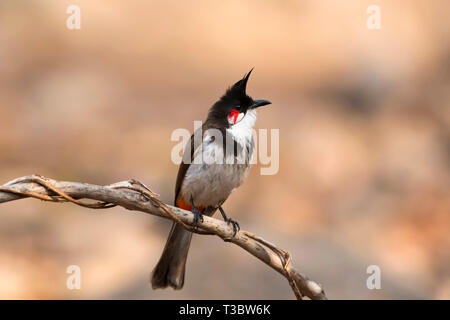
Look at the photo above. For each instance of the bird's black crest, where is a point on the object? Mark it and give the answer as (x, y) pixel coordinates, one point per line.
(239, 89)
(235, 97)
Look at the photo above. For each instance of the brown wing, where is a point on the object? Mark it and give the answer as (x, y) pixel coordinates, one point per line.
(185, 163)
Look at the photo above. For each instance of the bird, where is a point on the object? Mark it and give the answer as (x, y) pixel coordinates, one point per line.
(211, 169)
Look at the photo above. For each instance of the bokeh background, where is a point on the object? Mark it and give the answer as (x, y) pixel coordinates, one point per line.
(364, 124)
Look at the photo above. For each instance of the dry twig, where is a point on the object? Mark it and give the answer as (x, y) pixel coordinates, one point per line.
(134, 195)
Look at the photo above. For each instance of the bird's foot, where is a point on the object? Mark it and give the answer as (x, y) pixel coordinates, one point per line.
(229, 221)
(198, 216)
(235, 224)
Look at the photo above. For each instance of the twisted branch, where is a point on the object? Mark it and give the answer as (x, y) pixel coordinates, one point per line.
(134, 195)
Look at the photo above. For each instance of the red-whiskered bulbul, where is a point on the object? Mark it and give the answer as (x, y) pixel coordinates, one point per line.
(203, 184)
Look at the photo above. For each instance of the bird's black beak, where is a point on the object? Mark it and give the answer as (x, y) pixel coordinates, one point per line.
(259, 103)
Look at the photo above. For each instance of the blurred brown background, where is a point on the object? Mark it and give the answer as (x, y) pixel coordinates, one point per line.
(364, 124)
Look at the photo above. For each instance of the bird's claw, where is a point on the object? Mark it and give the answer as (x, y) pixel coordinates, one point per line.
(198, 216)
(235, 224)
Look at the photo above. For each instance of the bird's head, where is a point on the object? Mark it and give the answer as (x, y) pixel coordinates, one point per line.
(234, 105)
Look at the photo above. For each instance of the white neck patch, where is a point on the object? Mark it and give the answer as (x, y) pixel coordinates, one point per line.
(242, 131)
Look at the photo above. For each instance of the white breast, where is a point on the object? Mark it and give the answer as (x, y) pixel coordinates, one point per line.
(210, 182)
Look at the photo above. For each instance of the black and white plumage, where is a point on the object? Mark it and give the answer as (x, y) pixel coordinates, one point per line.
(215, 162)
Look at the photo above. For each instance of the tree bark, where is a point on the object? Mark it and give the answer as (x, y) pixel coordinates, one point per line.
(135, 196)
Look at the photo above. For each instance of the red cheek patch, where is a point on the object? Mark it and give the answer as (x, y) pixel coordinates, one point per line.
(234, 113)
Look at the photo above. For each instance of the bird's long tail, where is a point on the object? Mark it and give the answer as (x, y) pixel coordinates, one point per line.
(171, 266)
